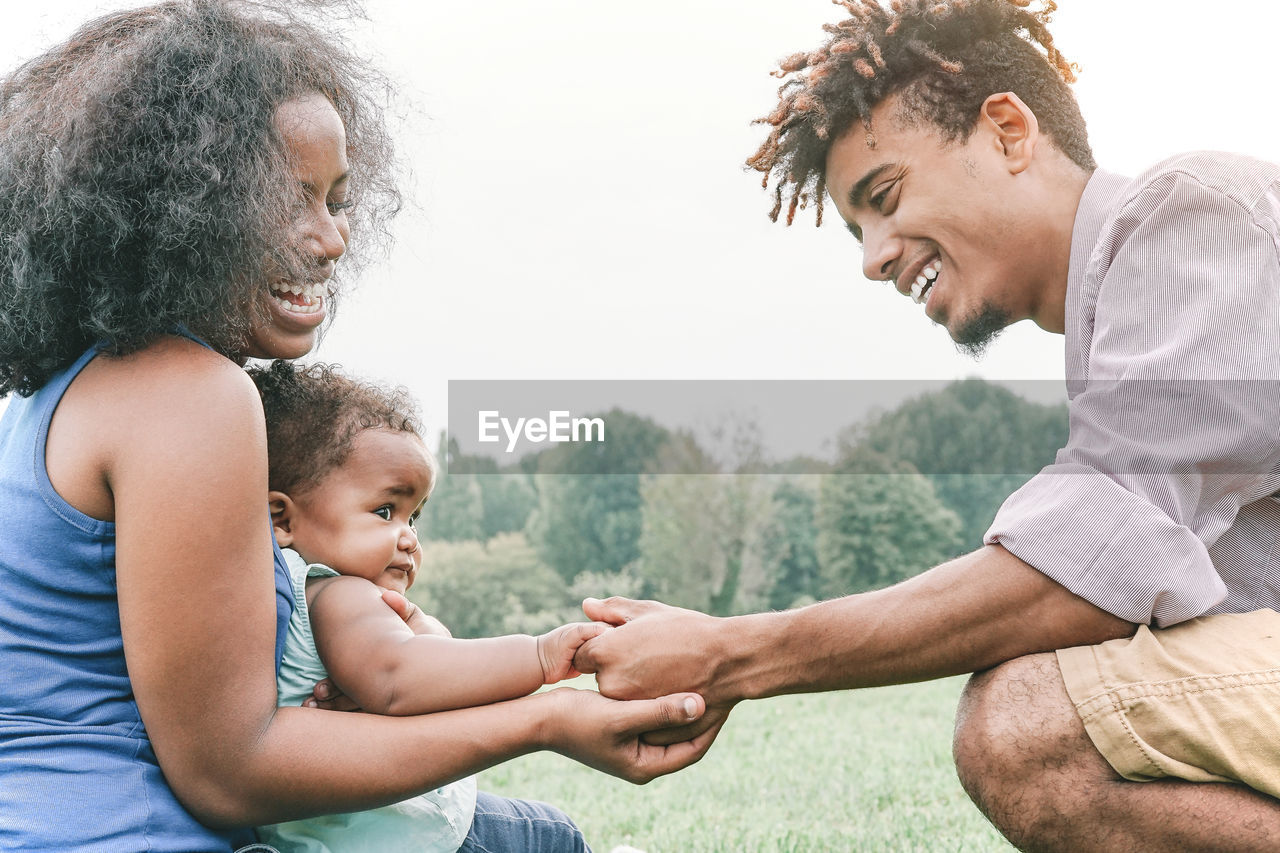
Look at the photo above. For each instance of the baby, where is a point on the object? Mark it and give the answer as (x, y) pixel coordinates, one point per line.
(348, 476)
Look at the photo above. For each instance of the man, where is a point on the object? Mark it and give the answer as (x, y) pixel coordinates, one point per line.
(949, 142)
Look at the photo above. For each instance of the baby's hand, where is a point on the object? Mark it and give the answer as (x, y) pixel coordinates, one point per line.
(556, 649)
(418, 621)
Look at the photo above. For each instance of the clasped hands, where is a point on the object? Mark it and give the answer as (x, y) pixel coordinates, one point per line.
(652, 650)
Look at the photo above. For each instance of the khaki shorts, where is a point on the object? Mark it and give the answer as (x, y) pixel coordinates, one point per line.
(1198, 701)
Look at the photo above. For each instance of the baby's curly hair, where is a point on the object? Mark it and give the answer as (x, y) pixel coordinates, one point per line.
(943, 57)
(146, 186)
(314, 414)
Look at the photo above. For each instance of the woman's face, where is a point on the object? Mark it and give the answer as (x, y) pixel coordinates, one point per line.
(296, 304)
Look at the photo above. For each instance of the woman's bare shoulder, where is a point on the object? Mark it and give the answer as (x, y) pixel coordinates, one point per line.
(173, 385)
(174, 396)
(174, 404)
(176, 366)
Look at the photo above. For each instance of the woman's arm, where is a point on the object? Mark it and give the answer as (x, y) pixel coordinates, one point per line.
(378, 661)
(180, 434)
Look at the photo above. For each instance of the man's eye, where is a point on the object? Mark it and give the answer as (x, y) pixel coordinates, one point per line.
(879, 199)
(336, 207)
(384, 512)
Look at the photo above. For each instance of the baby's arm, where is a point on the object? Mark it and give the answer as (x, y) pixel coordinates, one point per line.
(380, 663)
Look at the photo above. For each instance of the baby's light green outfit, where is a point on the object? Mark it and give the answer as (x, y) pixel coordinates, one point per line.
(435, 822)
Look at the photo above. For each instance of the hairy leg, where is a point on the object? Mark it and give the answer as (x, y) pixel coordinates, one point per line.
(1025, 760)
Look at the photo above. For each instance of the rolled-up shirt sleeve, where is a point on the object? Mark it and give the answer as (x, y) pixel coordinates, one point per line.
(1176, 424)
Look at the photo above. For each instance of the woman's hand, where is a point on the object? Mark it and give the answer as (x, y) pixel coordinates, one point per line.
(326, 694)
(606, 734)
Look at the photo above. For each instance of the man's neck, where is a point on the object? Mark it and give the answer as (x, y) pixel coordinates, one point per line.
(1050, 310)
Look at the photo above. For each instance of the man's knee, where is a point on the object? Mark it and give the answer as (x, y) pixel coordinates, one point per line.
(1005, 721)
(1020, 749)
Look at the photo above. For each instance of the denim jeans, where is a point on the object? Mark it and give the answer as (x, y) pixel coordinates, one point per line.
(502, 825)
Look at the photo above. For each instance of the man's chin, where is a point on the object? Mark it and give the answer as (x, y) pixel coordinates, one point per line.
(973, 336)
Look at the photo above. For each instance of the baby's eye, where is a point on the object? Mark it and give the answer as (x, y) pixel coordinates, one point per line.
(384, 512)
(413, 520)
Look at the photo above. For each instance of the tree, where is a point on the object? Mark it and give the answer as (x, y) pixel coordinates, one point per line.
(489, 589)
(976, 442)
(473, 500)
(794, 543)
(879, 521)
(588, 515)
(706, 533)
(506, 501)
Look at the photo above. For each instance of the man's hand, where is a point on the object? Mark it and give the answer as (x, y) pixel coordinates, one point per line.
(653, 650)
(557, 648)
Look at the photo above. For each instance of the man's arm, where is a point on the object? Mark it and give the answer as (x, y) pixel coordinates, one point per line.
(378, 660)
(1173, 432)
(965, 615)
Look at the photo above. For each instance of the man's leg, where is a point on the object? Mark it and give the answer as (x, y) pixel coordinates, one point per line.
(1024, 757)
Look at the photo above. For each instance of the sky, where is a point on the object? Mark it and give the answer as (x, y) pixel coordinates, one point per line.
(579, 209)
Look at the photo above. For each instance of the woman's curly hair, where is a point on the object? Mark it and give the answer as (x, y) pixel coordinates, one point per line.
(146, 187)
(314, 414)
(943, 57)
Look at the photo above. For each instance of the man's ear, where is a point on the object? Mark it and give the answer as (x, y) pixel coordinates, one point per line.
(282, 511)
(1014, 128)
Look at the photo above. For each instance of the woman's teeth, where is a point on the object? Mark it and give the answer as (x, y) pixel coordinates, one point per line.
(924, 282)
(299, 298)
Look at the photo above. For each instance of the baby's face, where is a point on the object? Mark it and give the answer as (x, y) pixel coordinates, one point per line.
(359, 520)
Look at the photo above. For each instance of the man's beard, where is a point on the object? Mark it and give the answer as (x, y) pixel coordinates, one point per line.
(976, 333)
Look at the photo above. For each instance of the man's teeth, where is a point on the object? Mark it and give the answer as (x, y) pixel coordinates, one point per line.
(311, 296)
(920, 287)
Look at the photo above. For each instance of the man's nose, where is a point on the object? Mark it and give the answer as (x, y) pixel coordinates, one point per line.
(881, 249)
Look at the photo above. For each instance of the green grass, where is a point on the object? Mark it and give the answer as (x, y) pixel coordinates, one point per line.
(860, 771)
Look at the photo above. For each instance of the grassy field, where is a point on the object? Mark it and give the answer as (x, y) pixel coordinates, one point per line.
(858, 771)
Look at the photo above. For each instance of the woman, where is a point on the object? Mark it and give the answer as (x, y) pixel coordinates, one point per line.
(180, 183)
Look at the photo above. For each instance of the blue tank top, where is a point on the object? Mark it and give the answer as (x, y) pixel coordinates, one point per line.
(77, 771)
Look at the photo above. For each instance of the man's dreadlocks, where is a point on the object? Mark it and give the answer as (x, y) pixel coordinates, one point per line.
(943, 59)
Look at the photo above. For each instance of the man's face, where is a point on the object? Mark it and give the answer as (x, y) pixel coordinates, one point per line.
(943, 221)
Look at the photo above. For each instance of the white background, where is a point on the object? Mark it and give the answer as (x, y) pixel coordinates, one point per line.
(579, 208)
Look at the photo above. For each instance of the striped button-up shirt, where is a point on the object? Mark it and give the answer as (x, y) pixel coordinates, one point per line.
(1160, 508)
